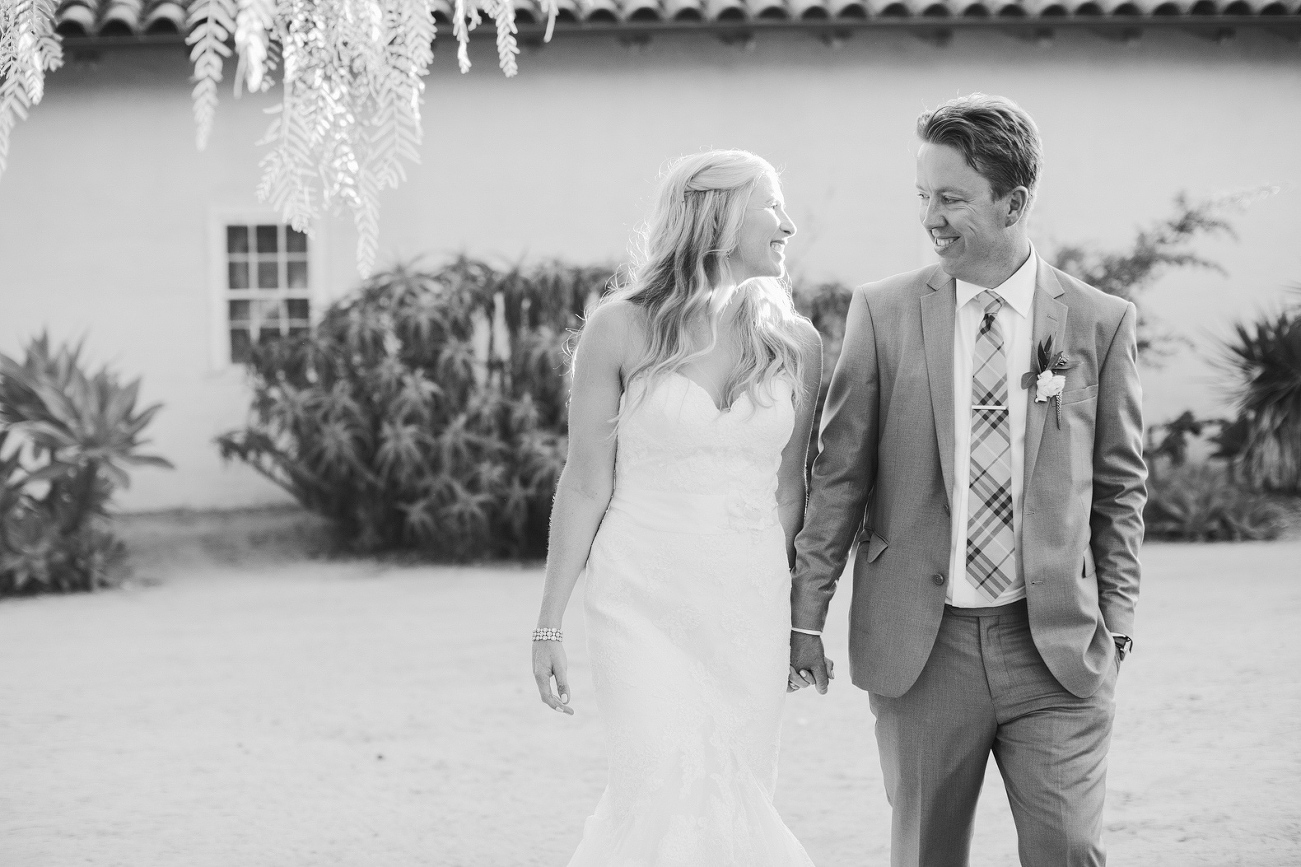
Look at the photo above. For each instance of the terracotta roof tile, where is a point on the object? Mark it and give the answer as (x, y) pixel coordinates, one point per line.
(166, 18)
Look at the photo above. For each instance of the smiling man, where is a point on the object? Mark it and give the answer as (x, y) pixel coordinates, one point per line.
(982, 443)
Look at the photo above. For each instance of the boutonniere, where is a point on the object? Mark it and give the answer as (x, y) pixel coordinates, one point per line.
(1048, 384)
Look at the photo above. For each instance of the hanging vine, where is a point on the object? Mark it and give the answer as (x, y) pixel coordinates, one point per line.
(352, 78)
(29, 48)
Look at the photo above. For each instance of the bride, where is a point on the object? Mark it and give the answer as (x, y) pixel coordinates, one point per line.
(693, 397)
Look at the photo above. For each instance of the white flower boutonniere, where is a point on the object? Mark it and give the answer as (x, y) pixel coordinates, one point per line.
(1048, 385)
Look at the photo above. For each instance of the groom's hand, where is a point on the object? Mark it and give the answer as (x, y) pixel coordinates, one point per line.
(807, 655)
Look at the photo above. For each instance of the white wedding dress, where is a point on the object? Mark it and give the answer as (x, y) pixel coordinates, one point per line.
(688, 623)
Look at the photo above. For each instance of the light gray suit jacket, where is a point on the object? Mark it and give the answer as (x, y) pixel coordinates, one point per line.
(884, 474)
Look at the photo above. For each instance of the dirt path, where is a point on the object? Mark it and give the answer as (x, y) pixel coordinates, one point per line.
(300, 714)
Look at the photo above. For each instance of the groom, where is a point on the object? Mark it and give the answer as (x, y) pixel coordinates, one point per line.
(982, 445)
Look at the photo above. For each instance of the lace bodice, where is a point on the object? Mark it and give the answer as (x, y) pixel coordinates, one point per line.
(678, 450)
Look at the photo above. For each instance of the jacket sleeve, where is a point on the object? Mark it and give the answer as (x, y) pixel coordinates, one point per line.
(1119, 478)
(843, 473)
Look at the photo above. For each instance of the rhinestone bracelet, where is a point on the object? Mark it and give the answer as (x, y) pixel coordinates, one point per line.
(547, 634)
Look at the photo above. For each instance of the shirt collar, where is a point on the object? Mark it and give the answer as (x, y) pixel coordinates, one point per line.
(1017, 290)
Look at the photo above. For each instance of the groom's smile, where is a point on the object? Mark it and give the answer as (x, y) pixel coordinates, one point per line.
(941, 242)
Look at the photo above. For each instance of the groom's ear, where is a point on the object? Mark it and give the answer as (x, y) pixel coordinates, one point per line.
(1018, 204)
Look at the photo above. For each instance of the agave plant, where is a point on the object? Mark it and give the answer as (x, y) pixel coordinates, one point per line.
(1264, 361)
(67, 439)
(426, 411)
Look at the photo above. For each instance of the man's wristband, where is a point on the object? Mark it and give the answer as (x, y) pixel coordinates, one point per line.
(805, 631)
(1124, 644)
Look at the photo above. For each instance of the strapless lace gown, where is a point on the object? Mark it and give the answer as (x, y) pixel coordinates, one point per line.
(688, 623)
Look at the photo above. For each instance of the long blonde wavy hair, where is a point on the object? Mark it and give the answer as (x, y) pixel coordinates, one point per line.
(681, 266)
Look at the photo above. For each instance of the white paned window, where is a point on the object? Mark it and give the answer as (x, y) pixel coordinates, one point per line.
(268, 284)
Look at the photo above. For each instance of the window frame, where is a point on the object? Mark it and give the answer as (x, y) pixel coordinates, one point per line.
(219, 291)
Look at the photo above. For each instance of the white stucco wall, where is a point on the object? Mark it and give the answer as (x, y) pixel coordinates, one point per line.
(105, 209)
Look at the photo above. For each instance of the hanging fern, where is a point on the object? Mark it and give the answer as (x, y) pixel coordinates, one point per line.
(253, 26)
(503, 15)
(28, 48)
(352, 79)
(287, 170)
(353, 75)
(211, 23)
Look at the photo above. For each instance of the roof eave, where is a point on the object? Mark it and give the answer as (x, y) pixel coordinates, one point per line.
(1120, 26)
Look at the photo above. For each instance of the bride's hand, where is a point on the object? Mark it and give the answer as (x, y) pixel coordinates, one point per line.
(549, 662)
(797, 680)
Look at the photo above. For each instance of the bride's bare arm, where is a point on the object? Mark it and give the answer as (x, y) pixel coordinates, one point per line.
(791, 488)
(585, 485)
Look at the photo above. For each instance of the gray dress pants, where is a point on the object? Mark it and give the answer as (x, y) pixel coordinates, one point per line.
(985, 688)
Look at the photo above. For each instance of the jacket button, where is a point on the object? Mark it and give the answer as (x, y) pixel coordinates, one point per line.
(937, 579)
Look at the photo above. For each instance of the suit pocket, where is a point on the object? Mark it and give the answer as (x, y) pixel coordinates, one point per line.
(873, 545)
(1079, 395)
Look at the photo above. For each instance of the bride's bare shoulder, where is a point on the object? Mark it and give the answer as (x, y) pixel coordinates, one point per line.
(616, 314)
(615, 326)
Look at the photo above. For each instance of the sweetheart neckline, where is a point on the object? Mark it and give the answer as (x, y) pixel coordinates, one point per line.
(719, 413)
(708, 396)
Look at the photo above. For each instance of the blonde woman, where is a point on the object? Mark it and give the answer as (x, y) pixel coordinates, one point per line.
(693, 397)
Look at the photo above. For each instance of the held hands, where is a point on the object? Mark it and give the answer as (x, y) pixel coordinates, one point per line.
(549, 662)
(809, 665)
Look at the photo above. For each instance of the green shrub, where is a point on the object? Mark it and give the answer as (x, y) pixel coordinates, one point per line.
(66, 439)
(426, 411)
(1204, 503)
(827, 306)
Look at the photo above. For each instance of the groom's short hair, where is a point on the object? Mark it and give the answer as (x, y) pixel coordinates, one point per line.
(994, 135)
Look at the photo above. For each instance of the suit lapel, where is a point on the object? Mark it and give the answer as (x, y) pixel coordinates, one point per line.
(938, 310)
(1049, 319)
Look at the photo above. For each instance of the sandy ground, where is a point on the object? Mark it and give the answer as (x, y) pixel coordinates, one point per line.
(236, 709)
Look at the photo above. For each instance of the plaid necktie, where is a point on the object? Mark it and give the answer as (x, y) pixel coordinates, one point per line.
(990, 539)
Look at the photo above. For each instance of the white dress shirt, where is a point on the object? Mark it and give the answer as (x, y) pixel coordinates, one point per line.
(1015, 322)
